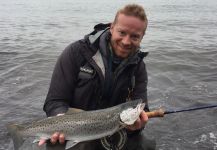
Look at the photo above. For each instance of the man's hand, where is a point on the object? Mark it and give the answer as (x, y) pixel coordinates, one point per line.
(54, 138)
(140, 122)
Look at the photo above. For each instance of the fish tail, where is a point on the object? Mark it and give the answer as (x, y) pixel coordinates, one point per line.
(14, 131)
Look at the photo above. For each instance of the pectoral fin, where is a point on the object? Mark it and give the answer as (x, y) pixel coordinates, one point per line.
(70, 144)
(36, 141)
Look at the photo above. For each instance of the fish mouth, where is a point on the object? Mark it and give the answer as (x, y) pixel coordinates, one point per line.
(142, 106)
(130, 115)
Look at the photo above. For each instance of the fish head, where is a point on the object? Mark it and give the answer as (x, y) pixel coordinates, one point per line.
(130, 115)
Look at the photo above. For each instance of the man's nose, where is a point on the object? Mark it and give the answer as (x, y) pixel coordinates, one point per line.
(126, 40)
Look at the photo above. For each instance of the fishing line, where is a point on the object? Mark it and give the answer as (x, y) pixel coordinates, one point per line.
(161, 112)
(190, 109)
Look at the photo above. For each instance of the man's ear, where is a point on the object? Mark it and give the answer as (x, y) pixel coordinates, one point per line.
(111, 27)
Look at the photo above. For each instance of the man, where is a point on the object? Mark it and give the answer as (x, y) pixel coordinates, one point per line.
(104, 69)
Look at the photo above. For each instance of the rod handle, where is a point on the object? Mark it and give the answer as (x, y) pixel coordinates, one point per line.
(155, 113)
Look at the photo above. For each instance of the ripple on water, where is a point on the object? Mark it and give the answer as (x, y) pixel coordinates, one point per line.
(181, 64)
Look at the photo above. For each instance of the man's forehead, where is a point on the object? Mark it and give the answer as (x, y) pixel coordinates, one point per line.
(132, 22)
(131, 30)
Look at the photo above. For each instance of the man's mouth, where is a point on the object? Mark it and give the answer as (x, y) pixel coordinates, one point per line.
(126, 48)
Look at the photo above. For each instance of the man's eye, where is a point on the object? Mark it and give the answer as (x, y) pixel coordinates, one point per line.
(135, 37)
(122, 33)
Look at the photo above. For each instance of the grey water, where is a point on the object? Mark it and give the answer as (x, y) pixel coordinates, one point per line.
(182, 63)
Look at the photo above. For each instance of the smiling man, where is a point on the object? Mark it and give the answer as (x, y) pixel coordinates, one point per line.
(127, 31)
(104, 69)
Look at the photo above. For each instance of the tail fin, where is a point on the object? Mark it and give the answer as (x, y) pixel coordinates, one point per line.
(14, 131)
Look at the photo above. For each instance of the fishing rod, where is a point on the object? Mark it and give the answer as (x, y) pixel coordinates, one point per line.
(161, 112)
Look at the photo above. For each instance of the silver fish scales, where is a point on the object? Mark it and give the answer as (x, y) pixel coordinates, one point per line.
(78, 127)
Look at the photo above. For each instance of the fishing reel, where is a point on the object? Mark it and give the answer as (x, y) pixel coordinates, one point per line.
(115, 141)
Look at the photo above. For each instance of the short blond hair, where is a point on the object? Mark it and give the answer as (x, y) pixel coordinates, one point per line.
(132, 10)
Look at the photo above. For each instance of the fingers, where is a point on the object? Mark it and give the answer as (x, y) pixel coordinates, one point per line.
(57, 137)
(41, 142)
(62, 138)
(54, 138)
(143, 118)
(139, 123)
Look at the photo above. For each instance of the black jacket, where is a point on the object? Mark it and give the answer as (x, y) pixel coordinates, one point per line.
(81, 78)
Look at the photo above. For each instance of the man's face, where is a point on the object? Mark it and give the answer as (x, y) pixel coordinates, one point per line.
(127, 34)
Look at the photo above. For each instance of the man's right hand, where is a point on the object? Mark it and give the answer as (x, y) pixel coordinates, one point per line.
(54, 138)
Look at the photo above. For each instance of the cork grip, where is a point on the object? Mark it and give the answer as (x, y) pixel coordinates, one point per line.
(155, 113)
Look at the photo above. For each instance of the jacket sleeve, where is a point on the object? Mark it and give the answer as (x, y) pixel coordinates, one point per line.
(141, 81)
(62, 82)
(140, 90)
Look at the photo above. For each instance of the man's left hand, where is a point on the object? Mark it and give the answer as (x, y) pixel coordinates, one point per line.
(139, 123)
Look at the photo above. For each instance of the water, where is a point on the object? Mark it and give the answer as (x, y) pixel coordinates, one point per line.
(182, 64)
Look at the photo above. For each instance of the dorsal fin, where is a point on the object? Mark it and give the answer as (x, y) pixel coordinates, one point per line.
(73, 110)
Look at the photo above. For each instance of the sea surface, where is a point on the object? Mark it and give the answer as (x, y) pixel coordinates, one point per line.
(182, 63)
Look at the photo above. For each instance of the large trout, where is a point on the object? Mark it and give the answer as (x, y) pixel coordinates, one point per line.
(80, 126)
